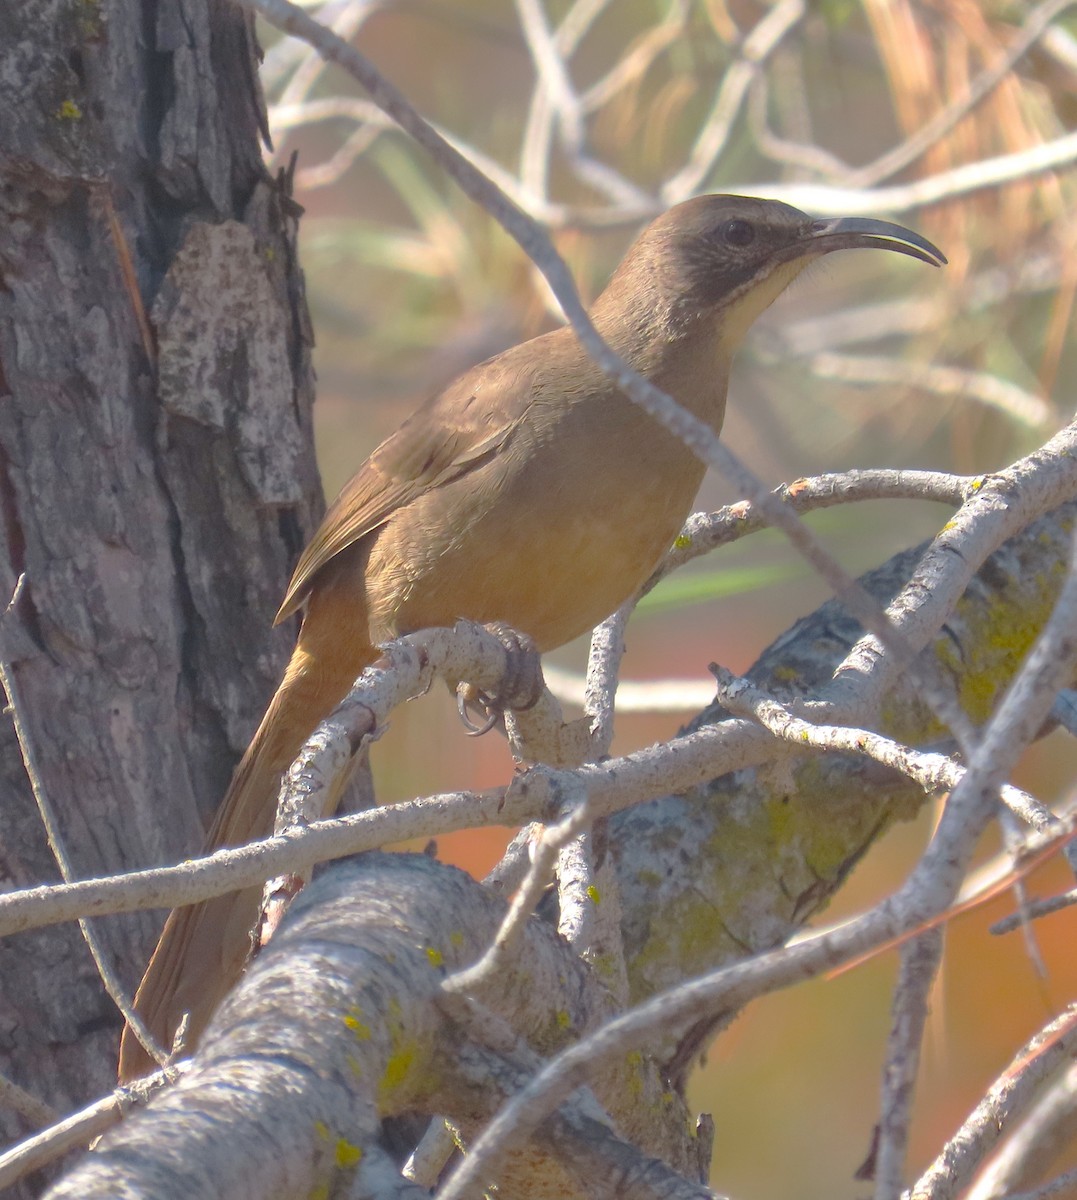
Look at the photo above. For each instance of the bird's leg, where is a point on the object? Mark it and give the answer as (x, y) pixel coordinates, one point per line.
(520, 687)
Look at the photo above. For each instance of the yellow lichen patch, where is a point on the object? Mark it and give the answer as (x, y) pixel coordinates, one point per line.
(435, 956)
(634, 1083)
(998, 638)
(321, 1130)
(347, 1153)
(691, 931)
(682, 542)
(357, 1026)
(563, 1019)
(593, 895)
(605, 966)
(780, 815)
(397, 1068)
(69, 111)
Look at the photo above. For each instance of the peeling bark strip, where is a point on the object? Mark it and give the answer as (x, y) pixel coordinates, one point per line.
(222, 334)
(155, 545)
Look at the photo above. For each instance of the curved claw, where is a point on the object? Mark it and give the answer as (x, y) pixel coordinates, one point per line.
(465, 699)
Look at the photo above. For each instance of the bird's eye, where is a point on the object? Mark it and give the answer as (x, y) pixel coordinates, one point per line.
(738, 232)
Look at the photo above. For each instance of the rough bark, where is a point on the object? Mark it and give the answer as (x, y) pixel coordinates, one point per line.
(355, 971)
(156, 471)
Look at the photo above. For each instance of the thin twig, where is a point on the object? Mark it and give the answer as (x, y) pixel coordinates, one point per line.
(50, 821)
(1013, 839)
(1007, 1097)
(1034, 910)
(954, 184)
(544, 855)
(915, 147)
(1023, 406)
(764, 39)
(805, 155)
(553, 72)
(704, 532)
(1045, 1131)
(17, 1099)
(935, 773)
(77, 1130)
(920, 961)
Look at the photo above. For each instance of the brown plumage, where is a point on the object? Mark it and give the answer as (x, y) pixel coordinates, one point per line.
(530, 492)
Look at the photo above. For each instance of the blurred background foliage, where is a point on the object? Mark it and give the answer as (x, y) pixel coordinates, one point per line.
(953, 116)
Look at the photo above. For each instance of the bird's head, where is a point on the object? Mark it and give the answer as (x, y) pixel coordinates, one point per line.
(726, 258)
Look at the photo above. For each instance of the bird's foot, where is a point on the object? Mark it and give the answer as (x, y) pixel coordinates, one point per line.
(519, 689)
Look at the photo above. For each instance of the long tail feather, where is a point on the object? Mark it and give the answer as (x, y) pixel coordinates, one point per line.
(204, 947)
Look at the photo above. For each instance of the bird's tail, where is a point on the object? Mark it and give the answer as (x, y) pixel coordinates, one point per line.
(204, 947)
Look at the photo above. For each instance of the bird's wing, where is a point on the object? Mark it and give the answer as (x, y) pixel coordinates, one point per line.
(453, 433)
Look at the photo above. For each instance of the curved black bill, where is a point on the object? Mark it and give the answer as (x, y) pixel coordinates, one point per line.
(848, 233)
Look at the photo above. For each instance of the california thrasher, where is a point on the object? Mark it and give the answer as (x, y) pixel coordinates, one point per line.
(530, 492)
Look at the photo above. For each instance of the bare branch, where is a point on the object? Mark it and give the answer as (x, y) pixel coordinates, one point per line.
(1043, 1133)
(25, 1103)
(763, 40)
(954, 184)
(704, 532)
(798, 154)
(1036, 272)
(1035, 910)
(74, 1131)
(920, 961)
(934, 772)
(1009, 1096)
(1005, 503)
(1014, 401)
(897, 159)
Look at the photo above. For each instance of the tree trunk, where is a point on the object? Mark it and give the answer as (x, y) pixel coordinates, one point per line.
(157, 476)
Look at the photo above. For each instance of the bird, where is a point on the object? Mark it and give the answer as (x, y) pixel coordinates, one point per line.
(529, 492)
